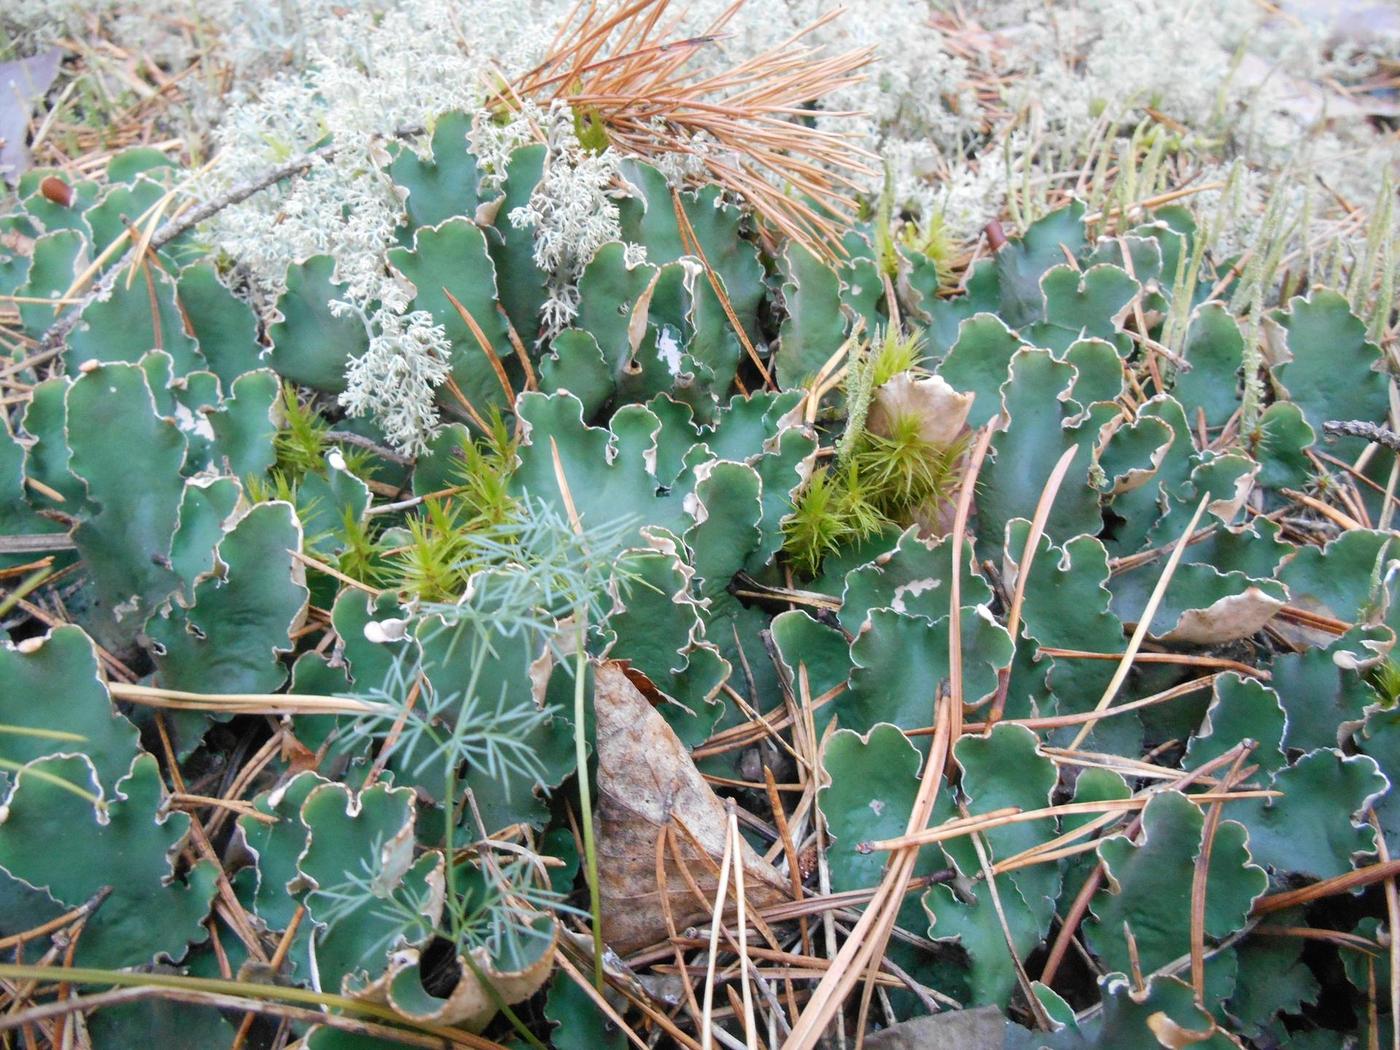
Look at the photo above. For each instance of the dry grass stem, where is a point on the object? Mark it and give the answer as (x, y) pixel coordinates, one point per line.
(245, 703)
(983, 823)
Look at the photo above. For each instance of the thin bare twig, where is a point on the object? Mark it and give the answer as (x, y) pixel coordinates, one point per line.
(1359, 428)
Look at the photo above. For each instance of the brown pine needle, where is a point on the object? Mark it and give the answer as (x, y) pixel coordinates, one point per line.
(575, 522)
(450, 385)
(1080, 906)
(1181, 659)
(984, 822)
(486, 347)
(1023, 572)
(275, 965)
(1198, 887)
(631, 72)
(1352, 880)
(599, 1000)
(692, 244)
(872, 931)
(1140, 633)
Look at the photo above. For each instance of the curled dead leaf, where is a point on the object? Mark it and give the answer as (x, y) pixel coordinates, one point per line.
(1227, 620)
(1174, 1036)
(941, 410)
(470, 1003)
(647, 783)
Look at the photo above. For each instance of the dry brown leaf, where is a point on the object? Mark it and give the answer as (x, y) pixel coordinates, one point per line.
(470, 1004)
(646, 780)
(1229, 619)
(1174, 1036)
(941, 410)
(481, 986)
